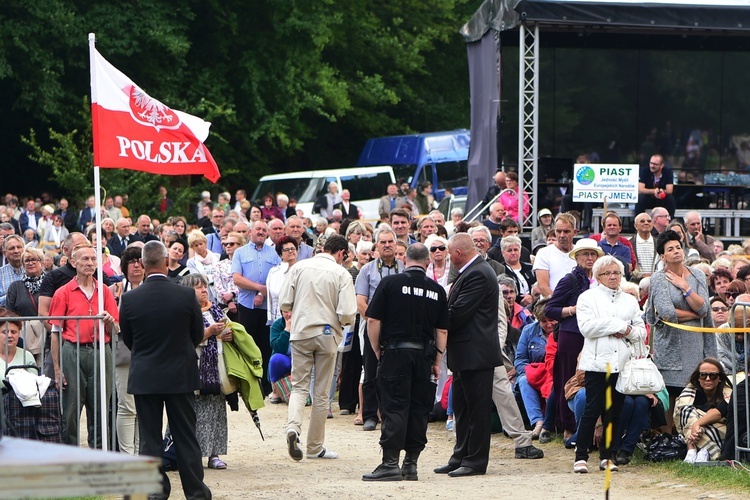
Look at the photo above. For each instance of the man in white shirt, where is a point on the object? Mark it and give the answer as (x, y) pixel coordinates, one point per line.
(552, 262)
(644, 244)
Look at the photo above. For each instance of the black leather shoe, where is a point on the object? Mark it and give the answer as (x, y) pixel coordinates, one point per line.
(464, 472)
(529, 452)
(445, 469)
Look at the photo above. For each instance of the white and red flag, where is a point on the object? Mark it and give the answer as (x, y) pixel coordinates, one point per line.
(134, 131)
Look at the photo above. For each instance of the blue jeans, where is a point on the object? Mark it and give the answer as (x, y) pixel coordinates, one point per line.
(577, 405)
(532, 400)
(634, 418)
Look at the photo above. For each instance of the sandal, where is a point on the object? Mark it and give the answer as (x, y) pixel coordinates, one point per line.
(216, 463)
(358, 420)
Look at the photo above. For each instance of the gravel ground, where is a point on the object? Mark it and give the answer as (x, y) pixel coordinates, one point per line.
(263, 469)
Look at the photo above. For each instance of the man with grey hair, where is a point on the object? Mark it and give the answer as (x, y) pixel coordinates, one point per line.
(205, 199)
(695, 237)
(473, 353)
(76, 361)
(644, 244)
(6, 229)
(481, 238)
(348, 210)
(295, 229)
(368, 280)
(407, 322)
(437, 216)
(13, 247)
(163, 371)
(326, 202)
(282, 201)
(660, 219)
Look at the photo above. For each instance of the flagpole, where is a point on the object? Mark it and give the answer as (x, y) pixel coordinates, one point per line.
(103, 403)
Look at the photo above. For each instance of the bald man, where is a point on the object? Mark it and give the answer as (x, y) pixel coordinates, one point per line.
(473, 353)
(496, 189)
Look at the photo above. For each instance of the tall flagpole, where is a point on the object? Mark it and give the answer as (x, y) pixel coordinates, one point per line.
(103, 403)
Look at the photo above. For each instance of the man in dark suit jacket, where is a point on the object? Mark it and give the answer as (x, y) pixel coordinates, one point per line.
(473, 353)
(88, 215)
(29, 217)
(163, 365)
(70, 217)
(348, 210)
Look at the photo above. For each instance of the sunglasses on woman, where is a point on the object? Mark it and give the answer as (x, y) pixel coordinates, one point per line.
(719, 309)
(435, 249)
(709, 376)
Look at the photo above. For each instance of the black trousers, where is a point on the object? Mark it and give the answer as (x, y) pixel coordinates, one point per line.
(351, 367)
(254, 321)
(648, 201)
(596, 385)
(181, 417)
(472, 410)
(406, 396)
(369, 386)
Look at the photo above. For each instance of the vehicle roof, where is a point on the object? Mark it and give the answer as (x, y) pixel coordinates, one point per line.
(333, 172)
(417, 149)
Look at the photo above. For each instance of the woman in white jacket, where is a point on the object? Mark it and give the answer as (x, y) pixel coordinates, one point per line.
(606, 317)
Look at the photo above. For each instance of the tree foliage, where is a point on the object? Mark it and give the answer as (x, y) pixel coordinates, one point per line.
(287, 84)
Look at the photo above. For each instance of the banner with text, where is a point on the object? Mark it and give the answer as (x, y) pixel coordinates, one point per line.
(616, 183)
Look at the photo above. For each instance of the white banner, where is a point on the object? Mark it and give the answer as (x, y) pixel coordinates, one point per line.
(594, 182)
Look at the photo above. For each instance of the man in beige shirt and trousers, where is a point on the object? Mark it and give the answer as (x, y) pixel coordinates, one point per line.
(324, 294)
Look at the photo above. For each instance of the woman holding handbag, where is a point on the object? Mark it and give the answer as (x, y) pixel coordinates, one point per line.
(606, 315)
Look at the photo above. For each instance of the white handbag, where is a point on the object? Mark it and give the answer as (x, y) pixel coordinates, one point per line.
(639, 376)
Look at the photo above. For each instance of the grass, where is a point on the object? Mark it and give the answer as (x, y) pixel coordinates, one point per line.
(726, 478)
(736, 480)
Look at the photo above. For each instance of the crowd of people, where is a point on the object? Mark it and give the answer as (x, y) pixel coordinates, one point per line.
(465, 310)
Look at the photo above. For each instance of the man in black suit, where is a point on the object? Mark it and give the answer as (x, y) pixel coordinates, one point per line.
(69, 217)
(164, 365)
(473, 354)
(348, 210)
(122, 237)
(88, 215)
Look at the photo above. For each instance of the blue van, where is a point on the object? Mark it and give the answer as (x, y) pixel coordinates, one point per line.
(438, 157)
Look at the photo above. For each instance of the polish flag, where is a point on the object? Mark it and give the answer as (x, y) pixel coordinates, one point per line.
(134, 131)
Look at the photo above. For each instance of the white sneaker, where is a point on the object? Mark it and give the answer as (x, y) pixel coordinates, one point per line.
(608, 464)
(580, 467)
(691, 456)
(324, 454)
(702, 456)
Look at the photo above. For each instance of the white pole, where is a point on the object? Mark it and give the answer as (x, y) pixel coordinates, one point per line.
(103, 403)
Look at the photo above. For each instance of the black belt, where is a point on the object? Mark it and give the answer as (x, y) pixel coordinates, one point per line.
(403, 344)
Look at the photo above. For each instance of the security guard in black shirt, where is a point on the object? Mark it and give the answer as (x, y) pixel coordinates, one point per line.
(407, 321)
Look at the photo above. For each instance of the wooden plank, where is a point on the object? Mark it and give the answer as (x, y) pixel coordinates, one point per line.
(33, 469)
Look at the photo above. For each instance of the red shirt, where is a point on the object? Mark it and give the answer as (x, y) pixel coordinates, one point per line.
(70, 300)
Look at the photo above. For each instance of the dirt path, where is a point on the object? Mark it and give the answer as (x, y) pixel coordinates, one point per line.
(259, 469)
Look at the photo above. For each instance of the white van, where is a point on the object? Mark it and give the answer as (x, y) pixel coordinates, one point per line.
(365, 184)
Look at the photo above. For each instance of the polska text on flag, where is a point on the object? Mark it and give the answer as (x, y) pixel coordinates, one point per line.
(131, 130)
